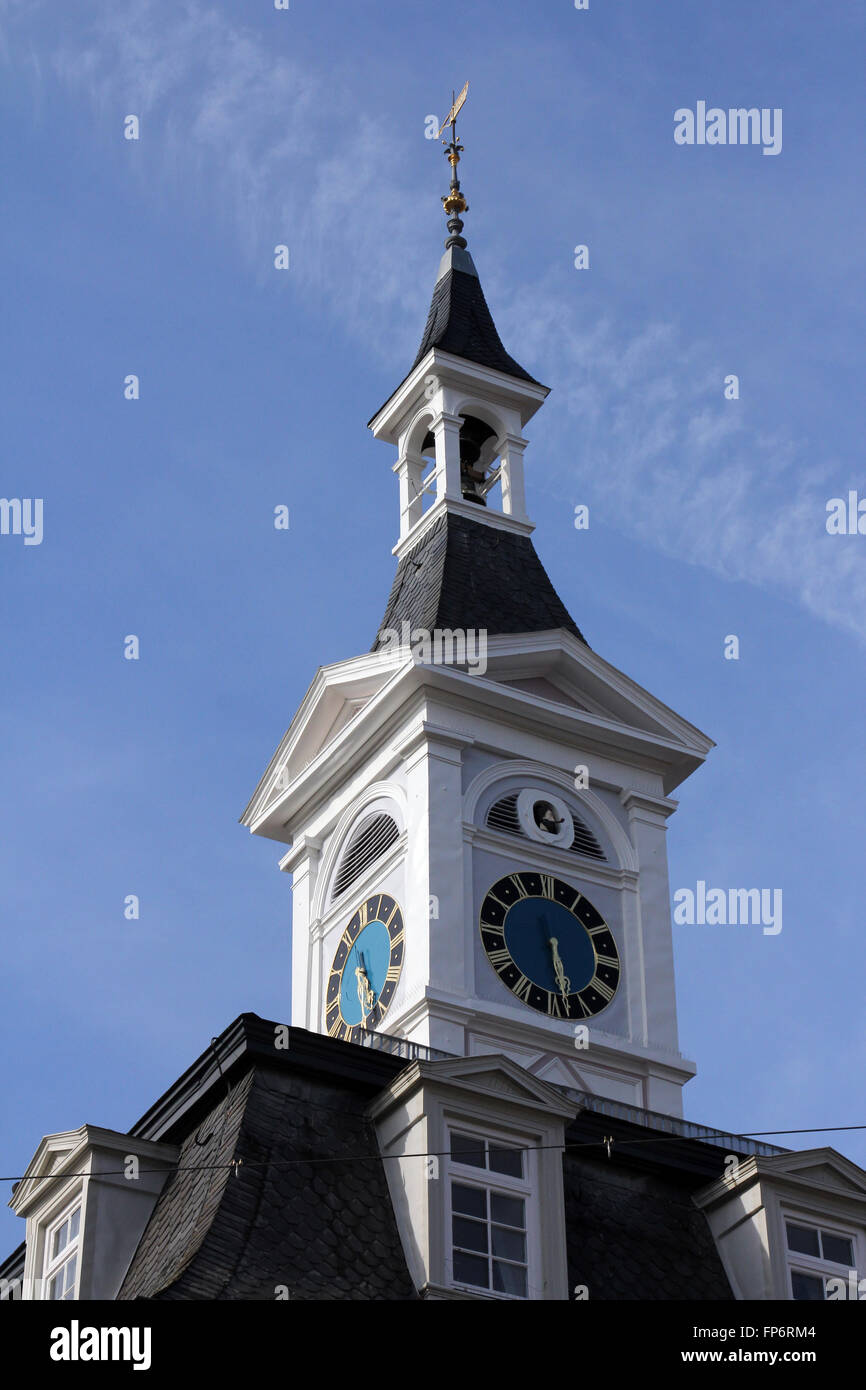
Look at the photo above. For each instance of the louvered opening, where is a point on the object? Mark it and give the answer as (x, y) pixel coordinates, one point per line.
(503, 816)
(369, 842)
(584, 841)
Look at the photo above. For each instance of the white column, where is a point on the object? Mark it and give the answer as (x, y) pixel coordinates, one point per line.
(446, 432)
(647, 816)
(409, 469)
(302, 863)
(513, 490)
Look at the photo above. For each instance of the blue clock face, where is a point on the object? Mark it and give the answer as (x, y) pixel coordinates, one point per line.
(549, 945)
(366, 969)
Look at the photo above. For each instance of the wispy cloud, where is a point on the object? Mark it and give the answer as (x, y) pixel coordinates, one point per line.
(282, 151)
(660, 445)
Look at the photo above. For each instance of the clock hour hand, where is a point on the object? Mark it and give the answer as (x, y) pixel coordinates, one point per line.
(366, 993)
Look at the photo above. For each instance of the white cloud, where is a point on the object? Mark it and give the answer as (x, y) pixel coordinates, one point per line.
(285, 153)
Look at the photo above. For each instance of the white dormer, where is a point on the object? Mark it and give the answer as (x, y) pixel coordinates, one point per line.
(472, 1150)
(791, 1226)
(87, 1196)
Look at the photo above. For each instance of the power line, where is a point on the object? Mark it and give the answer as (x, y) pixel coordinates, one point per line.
(618, 1143)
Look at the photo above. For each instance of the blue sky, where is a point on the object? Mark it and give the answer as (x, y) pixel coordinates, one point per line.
(155, 257)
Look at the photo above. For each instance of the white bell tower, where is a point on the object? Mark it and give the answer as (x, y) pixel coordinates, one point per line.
(476, 808)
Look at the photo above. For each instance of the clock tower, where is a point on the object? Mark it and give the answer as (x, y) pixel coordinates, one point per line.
(475, 810)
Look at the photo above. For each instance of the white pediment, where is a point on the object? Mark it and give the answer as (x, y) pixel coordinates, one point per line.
(825, 1167)
(498, 1076)
(336, 697)
(546, 690)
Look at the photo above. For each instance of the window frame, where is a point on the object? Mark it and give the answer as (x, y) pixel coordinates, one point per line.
(53, 1264)
(817, 1266)
(489, 1181)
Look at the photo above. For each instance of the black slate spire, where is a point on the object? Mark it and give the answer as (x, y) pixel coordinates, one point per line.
(464, 574)
(460, 321)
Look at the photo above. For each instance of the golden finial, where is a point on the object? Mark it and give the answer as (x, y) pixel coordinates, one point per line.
(454, 203)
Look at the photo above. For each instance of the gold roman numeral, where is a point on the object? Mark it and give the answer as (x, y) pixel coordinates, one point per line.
(522, 989)
(393, 974)
(499, 959)
(555, 1006)
(547, 882)
(601, 988)
(610, 961)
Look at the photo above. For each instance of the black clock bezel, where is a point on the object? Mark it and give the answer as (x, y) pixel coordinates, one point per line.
(379, 907)
(599, 992)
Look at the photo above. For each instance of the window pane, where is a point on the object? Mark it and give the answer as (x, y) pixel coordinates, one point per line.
(74, 1222)
(511, 1245)
(508, 1210)
(470, 1235)
(469, 1201)
(837, 1248)
(471, 1269)
(804, 1240)
(55, 1289)
(508, 1161)
(509, 1279)
(60, 1239)
(806, 1286)
(467, 1150)
(69, 1273)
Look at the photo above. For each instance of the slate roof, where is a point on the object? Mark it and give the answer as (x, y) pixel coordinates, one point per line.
(632, 1230)
(324, 1230)
(465, 574)
(460, 322)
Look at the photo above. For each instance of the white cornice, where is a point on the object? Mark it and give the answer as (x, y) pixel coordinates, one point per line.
(526, 396)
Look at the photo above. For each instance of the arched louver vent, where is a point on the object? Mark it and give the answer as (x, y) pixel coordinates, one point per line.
(369, 842)
(503, 816)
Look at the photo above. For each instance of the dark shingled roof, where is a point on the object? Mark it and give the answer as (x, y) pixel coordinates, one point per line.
(465, 574)
(461, 323)
(632, 1230)
(323, 1230)
(326, 1230)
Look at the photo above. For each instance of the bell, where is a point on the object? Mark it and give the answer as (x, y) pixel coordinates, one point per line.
(473, 435)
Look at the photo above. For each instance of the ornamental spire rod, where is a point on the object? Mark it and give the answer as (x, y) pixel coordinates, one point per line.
(454, 203)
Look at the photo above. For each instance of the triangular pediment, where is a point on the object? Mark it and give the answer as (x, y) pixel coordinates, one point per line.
(336, 697)
(825, 1167)
(546, 690)
(498, 1076)
(52, 1155)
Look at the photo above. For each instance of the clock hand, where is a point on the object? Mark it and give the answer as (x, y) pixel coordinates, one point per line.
(558, 969)
(366, 993)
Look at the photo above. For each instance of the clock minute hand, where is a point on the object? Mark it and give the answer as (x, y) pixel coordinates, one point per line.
(562, 979)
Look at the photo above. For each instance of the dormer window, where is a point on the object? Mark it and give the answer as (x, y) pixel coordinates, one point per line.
(490, 1203)
(60, 1267)
(816, 1255)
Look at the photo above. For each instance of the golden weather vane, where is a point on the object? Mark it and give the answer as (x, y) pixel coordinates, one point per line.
(454, 203)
